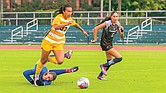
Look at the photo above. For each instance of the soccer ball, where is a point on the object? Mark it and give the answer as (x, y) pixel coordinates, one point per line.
(83, 83)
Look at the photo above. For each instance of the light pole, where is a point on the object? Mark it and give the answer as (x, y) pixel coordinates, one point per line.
(1, 12)
(101, 10)
(119, 6)
(109, 5)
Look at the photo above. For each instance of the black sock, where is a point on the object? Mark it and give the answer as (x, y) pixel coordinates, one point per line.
(101, 73)
(107, 67)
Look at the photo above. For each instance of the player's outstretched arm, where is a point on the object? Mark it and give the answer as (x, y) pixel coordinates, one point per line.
(82, 30)
(27, 74)
(95, 31)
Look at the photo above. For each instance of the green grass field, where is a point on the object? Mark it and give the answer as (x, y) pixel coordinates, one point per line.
(139, 72)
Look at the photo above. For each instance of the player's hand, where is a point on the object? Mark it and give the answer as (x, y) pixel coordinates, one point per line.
(93, 41)
(85, 33)
(39, 83)
(32, 82)
(121, 29)
(68, 23)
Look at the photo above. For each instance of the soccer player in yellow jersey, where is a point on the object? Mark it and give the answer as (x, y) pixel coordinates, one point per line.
(55, 39)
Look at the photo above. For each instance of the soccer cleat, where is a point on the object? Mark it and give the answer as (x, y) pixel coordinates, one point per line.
(103, 69)
(101, 78)
(35, 80)
(74, 69)
(69, 54)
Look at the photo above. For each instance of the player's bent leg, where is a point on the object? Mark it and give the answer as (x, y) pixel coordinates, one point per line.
(52, 59)
(59, 56)
(40, 65)
(116, 60)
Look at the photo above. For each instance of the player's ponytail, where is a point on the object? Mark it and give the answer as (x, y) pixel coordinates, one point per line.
(107, 18)
(61, 10)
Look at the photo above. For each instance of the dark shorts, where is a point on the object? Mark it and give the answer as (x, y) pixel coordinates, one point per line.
(106, 47)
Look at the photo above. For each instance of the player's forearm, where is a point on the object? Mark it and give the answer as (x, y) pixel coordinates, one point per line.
(121, 30)
(79, 27)
(122, 35)
(82, 30)
(27, 74)
(95, 34)
(56, 27)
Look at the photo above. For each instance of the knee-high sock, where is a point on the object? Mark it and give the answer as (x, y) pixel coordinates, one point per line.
(101, 73)
(52, 59)
(112, 62)
(39, 68)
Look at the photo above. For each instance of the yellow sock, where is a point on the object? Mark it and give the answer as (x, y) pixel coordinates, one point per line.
(39, 68)
(52, 60)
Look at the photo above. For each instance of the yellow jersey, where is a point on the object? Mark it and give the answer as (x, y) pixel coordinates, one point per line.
(58, 36)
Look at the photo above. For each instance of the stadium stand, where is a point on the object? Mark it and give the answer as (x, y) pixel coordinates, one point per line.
(75, 36)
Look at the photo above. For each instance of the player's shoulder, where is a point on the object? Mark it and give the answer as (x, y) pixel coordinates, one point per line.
(118, 23)
(58, 16)
(109, 22)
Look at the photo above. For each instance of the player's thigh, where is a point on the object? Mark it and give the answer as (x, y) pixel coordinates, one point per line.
(114, 53)
(44, 56)
(59, 54)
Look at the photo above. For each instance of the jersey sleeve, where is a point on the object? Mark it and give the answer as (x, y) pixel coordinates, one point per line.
(108, 23)
(27, 74)
(56, 20)
(118, 23)
(73, 23)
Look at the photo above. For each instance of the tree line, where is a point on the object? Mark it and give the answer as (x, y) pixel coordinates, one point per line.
(126, 5)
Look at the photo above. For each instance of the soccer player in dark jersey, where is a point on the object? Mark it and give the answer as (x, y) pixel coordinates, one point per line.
(46, 76)
(110, 27)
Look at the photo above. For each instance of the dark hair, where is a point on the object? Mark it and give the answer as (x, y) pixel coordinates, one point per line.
(60, 11)
(113, 12)
(107, 18)
(54, 75)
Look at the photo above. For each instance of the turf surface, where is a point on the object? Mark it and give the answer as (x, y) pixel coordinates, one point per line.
(139, 72)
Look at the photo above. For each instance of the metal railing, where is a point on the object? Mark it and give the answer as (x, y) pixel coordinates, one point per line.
(82, 15)
(17, 32)
(31, 24)
(146, 23)
(135, 32)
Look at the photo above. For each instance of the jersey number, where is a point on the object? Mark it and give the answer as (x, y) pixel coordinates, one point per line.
(112, 34)
(64, 29)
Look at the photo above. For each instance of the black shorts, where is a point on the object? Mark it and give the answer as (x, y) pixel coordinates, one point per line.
(106, 47)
